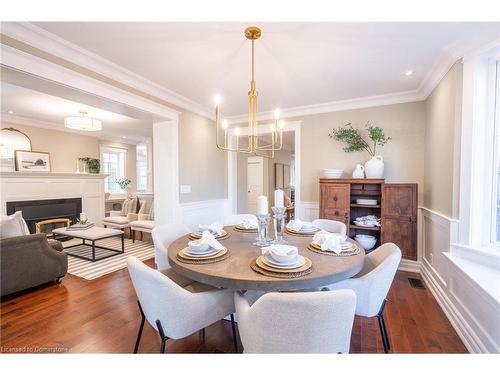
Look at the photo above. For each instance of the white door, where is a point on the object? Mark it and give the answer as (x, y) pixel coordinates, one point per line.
(255, 182)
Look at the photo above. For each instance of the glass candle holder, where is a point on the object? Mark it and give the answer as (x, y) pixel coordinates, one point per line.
(263, 225)
(279, 224)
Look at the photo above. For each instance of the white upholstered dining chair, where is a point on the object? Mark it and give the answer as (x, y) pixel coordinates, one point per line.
(372, 284)
(331, 226)
(163, 236)
(302, 322)
(238, 219)
(176, 306)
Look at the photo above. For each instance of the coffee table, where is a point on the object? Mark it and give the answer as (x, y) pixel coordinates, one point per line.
(92, 235)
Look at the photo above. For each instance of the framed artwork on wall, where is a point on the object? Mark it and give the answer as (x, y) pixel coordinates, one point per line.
(32, 161)
(12, 139)
(286, 176)
(278, 176)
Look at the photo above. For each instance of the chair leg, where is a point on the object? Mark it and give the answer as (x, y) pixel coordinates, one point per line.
(202, 331)
(163, 337)
(141, 327)
(133, 235)
(233, 327)
(383, 328)
(141, 235)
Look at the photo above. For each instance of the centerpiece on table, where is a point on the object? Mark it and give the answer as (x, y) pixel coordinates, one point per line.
(354, 141)
(125, 185)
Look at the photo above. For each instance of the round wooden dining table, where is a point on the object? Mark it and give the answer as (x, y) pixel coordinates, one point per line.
(235, 272)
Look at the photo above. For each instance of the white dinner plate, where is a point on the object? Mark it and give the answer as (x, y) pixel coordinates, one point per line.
(272, 263)
(201, 254)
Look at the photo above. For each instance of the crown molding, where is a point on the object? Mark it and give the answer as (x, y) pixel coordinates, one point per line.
(340, 105)
(37, 37)
(34, 123)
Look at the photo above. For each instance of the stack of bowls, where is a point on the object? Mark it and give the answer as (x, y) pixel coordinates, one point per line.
(333, 173)
(366, 241)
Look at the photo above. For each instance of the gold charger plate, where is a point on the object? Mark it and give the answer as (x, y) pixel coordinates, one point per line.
(295, 233)
(263, 265)
(207, 260)
(279, 273)
(183, 254)
(238, 228)
(196, 236)
(317, 249)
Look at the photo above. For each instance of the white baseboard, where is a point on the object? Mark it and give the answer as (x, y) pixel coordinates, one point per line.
(410, 266)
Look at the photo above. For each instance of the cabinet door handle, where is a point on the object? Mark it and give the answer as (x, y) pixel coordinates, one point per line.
(335, 198)
(337, 213)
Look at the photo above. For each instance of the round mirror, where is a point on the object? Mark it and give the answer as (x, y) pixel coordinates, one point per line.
(11, 140)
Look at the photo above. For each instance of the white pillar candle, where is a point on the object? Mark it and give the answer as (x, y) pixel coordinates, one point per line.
(279, 200)
(262, 205)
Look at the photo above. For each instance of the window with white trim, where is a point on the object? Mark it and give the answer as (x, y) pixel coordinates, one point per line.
(142, 167)
(496, 164)
(113, 161)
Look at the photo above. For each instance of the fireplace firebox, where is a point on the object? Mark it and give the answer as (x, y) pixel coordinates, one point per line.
(39, 210)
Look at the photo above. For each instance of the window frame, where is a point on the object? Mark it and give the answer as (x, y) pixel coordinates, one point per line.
(477, 150)
(113, 150)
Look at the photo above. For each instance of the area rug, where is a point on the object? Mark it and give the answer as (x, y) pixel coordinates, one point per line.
(92, 270)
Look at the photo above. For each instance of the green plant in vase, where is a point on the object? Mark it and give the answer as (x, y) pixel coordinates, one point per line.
(124, 184)
(93, 164)
(354, 141)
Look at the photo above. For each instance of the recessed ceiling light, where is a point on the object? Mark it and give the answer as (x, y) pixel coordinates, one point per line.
(409, 73)
(124, 137)
(10, 112)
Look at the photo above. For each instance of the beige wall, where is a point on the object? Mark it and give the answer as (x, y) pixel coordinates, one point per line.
(201, 164)
(443, 108)
(403, 155)
(282, 157)
(64, 148)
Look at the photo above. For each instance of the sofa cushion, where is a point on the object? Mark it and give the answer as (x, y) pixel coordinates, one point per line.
(13, 225)
(116, 219)
(130, 205)
(146, 224)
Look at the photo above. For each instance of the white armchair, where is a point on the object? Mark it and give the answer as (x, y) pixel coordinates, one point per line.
(175, 306)
(121, 219)
(331, 226)
(305, 322)
(143, 221)
(163, 236)
(372, 284)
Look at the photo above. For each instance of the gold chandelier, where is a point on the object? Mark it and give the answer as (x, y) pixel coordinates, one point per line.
(255, 143)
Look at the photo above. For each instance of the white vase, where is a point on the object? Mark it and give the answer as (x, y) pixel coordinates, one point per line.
(128, 191)
(359, 171)
(374, 168)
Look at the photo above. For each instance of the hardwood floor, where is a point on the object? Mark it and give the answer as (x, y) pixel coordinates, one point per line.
(101, 316)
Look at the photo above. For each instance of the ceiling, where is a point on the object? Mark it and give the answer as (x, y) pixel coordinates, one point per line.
(39, 109)
(297, 64)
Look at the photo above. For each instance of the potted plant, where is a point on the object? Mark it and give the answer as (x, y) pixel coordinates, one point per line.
(354, 141)
(93, 164)
(124, 184)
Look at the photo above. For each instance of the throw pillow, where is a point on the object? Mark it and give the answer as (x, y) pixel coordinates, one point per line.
(13, 225)
(129, 206)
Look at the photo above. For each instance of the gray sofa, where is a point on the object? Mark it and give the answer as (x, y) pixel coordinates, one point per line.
(28, 261)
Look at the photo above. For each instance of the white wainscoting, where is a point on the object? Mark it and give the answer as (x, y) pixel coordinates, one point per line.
(473, 313)
(24, 186)
(194, 213)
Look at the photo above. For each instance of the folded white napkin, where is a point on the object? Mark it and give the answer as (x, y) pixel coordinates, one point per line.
(298, 224)
(207, 238)
(281, 253)
(215, 228)
(329, 241)
(249, 223)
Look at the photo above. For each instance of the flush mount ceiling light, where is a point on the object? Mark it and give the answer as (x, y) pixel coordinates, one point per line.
(256, 145)
(83, 123)
(409, 73)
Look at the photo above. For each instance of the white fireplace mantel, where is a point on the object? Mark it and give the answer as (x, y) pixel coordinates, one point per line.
(24, 186)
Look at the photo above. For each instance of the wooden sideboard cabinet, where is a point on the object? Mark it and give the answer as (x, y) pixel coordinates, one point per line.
(396, 206)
